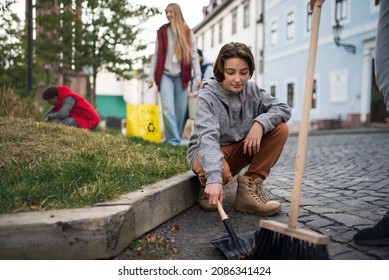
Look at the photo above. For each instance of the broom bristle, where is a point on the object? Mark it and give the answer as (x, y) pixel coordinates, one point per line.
(276, 241)
(271, 245)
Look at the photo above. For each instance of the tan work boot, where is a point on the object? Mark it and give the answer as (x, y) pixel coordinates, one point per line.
(252, 198)
(203, 201)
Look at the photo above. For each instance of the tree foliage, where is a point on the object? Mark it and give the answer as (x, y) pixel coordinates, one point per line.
(72, 36)
(77, 35)
(12, 51)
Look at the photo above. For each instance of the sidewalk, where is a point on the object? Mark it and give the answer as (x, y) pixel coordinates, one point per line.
(345, 189)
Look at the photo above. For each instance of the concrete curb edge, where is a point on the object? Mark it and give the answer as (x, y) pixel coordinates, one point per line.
(97, 232)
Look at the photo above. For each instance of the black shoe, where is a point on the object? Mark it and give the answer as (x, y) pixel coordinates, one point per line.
(377, 235)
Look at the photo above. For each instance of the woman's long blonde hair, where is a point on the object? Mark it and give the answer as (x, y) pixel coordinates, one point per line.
(180, 28)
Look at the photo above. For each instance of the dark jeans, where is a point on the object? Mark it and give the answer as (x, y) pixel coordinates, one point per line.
(67, 121)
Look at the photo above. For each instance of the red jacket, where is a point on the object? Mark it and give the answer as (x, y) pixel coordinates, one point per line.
(83, 112)
(162, 51)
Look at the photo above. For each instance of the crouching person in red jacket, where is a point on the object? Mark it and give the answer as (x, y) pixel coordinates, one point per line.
(69, 108)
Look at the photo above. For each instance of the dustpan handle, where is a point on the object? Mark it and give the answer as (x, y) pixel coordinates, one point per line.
(222, 213)
(228, 225)
(303, 134)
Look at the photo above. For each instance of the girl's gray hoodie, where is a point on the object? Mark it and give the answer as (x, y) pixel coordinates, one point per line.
(223, 118)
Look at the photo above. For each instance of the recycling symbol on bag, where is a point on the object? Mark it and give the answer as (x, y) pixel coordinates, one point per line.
(151, 127)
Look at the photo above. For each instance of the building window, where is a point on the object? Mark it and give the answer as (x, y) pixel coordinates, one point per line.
(221, 31)
(260, 62)
(212, 36)
(234, 20)
(246, 14)
(341, 10)
(202, 41)
(309, 17)
(314, 95)
(374, 6)
(290, 26)
(290, 90)
(273, 90)
(273, 33)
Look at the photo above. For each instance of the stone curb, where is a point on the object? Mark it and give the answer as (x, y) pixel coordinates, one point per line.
(97, 232)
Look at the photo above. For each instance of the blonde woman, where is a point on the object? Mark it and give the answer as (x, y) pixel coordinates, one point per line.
(171, 68)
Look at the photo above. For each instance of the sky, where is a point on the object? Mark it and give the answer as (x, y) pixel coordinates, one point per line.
(191, 9)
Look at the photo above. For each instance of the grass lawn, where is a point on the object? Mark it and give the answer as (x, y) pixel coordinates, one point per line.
(49, 166)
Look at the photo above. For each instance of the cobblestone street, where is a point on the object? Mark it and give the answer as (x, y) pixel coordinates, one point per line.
(345, 188)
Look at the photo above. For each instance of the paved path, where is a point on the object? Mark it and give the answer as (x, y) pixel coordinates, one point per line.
(345, 188)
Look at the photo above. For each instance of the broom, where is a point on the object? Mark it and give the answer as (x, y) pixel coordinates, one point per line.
(277, 241)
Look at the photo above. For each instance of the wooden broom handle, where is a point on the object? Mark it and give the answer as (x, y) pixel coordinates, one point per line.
(303, 134)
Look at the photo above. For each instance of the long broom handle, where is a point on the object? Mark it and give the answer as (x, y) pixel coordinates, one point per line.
(303, 135)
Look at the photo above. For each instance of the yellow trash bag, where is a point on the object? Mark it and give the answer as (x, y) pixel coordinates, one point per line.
(143, 121)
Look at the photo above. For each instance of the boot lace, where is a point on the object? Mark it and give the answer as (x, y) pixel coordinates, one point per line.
(258, 192)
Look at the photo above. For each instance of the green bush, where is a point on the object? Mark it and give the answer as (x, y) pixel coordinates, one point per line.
(12, 105)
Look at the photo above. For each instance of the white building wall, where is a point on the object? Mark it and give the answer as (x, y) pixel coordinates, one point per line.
(134, 91)
(252, 35)
(107, 83)
(343, 79)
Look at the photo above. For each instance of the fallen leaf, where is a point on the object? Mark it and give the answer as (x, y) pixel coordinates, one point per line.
(166, 240)
(151, 238)
(174, 227)
(175, 250)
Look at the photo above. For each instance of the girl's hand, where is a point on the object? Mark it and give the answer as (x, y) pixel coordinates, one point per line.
(215, 193)
(150, 83)
(319, 3)
(252, 143)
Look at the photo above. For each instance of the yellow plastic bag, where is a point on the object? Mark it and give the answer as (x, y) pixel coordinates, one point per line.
(143, 121)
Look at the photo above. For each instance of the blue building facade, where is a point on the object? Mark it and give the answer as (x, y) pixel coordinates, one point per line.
(344, 88)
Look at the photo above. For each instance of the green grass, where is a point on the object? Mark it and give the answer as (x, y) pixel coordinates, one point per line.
(48, 166)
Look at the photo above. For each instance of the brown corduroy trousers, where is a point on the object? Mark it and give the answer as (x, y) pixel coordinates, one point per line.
(259, 164)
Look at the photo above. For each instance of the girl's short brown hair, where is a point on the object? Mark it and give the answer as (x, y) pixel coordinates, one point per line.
(233, 50)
